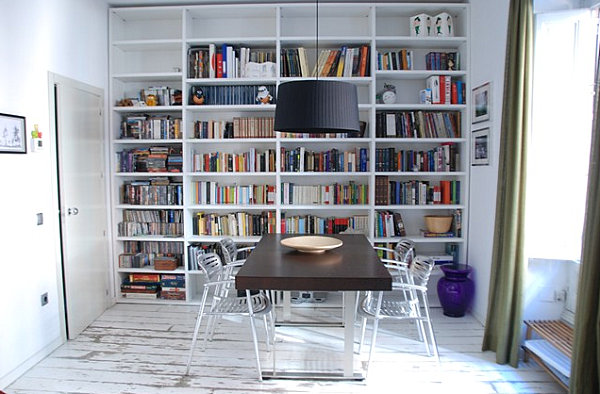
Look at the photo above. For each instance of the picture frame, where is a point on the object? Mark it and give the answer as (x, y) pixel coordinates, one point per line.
(480, 100)
(12, 134)
(480, 147)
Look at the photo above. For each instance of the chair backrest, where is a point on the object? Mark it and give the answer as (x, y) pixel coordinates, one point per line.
(210, 264)
(420, 270)
(229, 250)
(406, 251)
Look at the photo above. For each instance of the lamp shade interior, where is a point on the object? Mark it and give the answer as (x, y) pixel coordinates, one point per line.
(315, 106)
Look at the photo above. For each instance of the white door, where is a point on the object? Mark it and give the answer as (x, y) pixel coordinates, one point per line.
(82, 200)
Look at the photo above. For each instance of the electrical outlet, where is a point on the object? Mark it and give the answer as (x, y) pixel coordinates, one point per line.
(560, 295)
(44, 299)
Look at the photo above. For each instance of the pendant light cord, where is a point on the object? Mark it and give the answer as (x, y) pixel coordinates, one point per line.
(317, 40)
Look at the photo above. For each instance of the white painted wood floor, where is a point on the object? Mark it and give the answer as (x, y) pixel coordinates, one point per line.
(143, 349)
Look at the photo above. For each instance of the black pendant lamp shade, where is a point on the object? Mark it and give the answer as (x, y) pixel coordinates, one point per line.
(316, 106)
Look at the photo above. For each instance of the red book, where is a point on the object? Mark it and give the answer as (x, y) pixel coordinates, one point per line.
(445, 186)
(219, 65)
(454, 94)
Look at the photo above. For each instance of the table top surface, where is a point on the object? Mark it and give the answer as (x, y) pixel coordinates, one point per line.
(351, 267)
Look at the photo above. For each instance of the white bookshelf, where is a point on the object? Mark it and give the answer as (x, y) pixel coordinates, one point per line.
(148, 46)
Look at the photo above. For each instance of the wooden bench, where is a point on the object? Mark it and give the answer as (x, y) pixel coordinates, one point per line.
(553, 349)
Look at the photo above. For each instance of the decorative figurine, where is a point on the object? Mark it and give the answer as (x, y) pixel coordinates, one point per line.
(198, 96)
(420, 25)
(443, 25)
(263, 96)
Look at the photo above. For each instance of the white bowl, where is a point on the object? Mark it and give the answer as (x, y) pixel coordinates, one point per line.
(312, 243)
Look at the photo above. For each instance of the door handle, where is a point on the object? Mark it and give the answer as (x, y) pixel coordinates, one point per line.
(72, 211)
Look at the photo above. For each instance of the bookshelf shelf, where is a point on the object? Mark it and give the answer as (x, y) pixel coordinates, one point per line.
(165, 47)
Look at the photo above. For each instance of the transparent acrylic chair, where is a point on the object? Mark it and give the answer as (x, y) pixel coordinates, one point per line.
(225, 302)
(404, 302)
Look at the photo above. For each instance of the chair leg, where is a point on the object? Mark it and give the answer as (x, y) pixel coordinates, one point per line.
(254, 337)
(430, 326)
(375, 326)
(363, 328)
(197, 327)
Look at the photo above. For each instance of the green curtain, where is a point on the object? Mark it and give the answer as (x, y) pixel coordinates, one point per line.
(585, 367)
(503, 325)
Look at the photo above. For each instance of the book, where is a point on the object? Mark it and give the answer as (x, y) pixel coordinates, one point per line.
(141, 295)
(429, 234)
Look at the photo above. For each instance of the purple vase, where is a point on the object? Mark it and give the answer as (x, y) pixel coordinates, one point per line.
(455, 289)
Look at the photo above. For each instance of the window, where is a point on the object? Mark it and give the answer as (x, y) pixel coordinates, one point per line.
(562, 107)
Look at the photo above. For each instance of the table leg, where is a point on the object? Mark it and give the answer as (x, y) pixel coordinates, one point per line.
(349, 309)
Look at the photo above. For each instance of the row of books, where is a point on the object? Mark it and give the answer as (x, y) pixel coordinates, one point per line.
(151, 286)
(311, 224)
(334, 160)
(140, 229)
(160, 95)
(238, 128)
(153, 216)
(334, 194)
(160, 191)
(442, 158)
(142, 260)
(418, 124)
(152, 159)
(151, 127)
(251, 161)
(210, 192)
(442, 61)
(228, 62)
(229, 95)
(446, 91)
(344, 62)
(389, 224)
(234, 224)
(154, 249)
(395, 60)
(416, 192)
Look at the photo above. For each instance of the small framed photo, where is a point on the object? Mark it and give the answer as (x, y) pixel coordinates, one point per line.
(12, 134)
(480, 147)
(481, 103)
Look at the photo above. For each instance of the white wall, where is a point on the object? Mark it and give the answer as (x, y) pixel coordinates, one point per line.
(67, 37)
(488, 47)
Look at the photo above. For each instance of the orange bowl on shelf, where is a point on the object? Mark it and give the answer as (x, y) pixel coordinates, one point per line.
(438, 223)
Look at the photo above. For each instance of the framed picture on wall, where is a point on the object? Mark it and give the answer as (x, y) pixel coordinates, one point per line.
(12, 134)
(481, 103)
(480, 147)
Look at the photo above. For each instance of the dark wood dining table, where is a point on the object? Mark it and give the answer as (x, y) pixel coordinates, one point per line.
(352, 267)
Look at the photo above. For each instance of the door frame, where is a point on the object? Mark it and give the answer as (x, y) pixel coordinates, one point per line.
(52, 143)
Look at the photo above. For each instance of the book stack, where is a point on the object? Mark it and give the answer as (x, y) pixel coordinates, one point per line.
(395, 60)
(150, 127)
(302, 160)
(442, 61)
(172, 287)
(144, 286)
(343, 62)
(389, 224)
(210, 192)
(445, 91)
(418, 124)
(165, 263)
(230, 62)
(174, 161)
(310, 224)
(163, 222)
(443, 158)
(335, 194)
(157, 191)
(236, 224)
(251, 161)
(156, 161)
(231, 95)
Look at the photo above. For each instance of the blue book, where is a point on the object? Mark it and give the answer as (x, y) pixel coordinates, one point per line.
(459, 92)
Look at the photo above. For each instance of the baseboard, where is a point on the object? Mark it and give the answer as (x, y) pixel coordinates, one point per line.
(13, 375)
